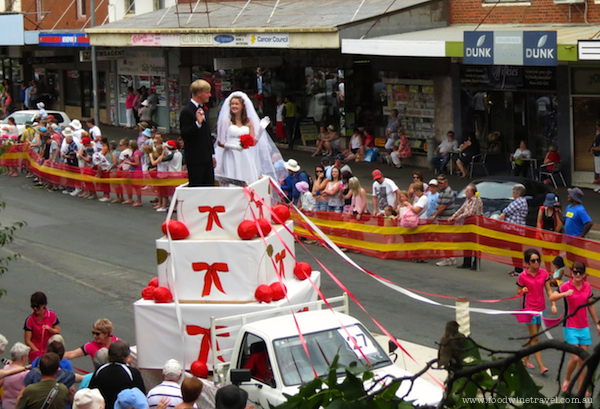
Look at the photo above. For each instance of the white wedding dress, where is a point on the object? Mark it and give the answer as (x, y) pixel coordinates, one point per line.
(238, 164)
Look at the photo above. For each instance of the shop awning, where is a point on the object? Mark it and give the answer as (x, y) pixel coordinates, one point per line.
(265, 24)
(448, 41)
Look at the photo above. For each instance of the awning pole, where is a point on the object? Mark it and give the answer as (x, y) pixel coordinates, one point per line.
(63, 14)
(193, 11)
(96, 115)
(273, 12)
(357, 10)
(241, 11)
(164, 15)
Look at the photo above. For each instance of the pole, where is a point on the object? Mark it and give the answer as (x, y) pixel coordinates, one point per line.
(96, 115)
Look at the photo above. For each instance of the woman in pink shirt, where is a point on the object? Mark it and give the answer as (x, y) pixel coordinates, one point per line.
(103, 337)
(39, 326)
(532, 283)
(577, 331)
(129, 104)
(13, 384)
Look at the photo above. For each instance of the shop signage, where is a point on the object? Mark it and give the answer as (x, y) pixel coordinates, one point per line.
(239, 63)
(64, 39)
(508, 77)
(101, 55)
(585, 81)
(59, 59)
(588, 50)
(155, 40)
(196, 39)
(537, 48)
(263, 40)
(141, 66)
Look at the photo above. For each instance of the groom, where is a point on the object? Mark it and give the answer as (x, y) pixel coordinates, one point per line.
(195, 131)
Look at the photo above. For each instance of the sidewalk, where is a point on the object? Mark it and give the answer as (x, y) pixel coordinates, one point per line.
(402, 177)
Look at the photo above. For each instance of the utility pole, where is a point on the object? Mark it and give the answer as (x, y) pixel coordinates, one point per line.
(96, 115)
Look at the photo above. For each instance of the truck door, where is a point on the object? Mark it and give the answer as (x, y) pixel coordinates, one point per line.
(263, 388)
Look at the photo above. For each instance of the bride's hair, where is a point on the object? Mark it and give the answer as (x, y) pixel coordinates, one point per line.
(243, 113)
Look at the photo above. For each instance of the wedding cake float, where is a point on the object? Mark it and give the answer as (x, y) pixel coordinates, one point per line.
(217, 264)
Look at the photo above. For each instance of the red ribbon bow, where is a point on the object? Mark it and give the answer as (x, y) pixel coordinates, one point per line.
(212, 275)
(279, 259)
(213, 215)
(258, 204)
(206, 340)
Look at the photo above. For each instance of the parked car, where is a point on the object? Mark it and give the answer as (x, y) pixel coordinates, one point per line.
(496, 194)
(23, 116)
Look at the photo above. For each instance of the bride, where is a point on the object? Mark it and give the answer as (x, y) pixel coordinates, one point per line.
(237, 119)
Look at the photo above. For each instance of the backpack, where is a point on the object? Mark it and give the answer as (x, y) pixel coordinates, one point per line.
(409, 219)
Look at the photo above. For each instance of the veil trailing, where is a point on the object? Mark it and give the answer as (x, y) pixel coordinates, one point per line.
(266, 155)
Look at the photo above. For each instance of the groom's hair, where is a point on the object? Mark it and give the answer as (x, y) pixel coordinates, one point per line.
(199, 86)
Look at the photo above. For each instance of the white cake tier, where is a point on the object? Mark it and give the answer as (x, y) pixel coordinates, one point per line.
(160, 338)
(216, 212)
(225, 270)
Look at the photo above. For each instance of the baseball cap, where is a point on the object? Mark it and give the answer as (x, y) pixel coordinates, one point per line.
(377, 174)
(172, 370)
(43, 129)
(340, 157)
(433, 182)
(85, 140)
(131, 399)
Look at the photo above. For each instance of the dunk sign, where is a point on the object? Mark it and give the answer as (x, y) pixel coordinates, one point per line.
(533, 48)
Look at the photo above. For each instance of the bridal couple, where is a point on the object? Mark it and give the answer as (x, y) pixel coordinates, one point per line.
(243, 150)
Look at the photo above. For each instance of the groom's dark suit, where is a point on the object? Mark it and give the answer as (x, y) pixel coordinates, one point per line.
(199, 147)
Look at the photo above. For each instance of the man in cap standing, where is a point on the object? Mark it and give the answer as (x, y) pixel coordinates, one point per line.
(169, 388)
(385, 192)
(576, 220)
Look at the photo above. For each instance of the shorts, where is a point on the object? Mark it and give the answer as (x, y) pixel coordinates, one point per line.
(577, 336)
(536, 319)
(597, 164)
(321, 206)
(336, 209)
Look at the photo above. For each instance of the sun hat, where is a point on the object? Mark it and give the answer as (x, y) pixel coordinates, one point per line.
(230, 397)
(28, 124)
(558, 262)
(377, 174)
(67, 132)
(292, 165)
(576, 194)
(172, 144)
(143, 124)
(433, 182)
(172, 370)
(550, 200)
(40, 105)
(145, 103)
(88, 399)
(302, 187)
(75, 124)
(147, 132)
(331, 128)
(131, 398)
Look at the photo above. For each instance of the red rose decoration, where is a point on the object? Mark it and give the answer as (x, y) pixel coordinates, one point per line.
(265, 226)
(279, 291)
(153, 282)
(162, 295)
(177, 229)
(246, 141)
(199, 369)
(283, 212)
(263, 293)
(247, 230)
(148, 293)
(302, 270)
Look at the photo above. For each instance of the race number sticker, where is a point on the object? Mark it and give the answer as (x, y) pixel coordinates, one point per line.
(357, 339)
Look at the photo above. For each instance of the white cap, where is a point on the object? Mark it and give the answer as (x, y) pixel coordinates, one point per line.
(172, 370)
(433, 182)
(40, 105)
(145, 103)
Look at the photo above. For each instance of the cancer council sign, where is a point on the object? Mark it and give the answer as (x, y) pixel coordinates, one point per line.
(534, 48)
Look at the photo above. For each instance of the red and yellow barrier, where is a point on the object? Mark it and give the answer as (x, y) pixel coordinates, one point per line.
(19, 156)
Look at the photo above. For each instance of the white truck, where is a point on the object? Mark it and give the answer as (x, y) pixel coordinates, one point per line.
(269, 345)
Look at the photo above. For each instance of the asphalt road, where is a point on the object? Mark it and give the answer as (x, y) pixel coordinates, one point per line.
(93, 259)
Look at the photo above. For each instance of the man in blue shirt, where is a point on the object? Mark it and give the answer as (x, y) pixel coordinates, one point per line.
(294, 176)
(576, 220)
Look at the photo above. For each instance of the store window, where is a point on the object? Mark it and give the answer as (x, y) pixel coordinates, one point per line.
(585, 88)
(129, 6)
(81, 8)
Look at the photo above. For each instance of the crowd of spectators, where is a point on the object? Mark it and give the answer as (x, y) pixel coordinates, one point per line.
(46, 379)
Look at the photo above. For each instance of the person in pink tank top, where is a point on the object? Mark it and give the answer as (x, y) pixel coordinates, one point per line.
(103, 337)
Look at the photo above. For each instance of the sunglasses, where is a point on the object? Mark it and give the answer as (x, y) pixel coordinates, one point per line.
(416, 177)
(534, 260)
(96, 333)
(35, 307)
(320, 171)
(579, 272)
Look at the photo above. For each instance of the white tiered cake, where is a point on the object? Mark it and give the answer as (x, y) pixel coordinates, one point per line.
(213, 272)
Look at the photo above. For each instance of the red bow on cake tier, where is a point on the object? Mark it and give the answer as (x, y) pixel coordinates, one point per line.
(213, 215)
(279, 259)
(206, 339)
(212, 275)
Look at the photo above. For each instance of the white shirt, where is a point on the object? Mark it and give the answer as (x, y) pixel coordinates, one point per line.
(385, 193)
(448, 146)
(279, 114)
(308, 201)
(423, 203)
(95, 132)
(175, 164)
(99, 159)
(526, 154)
(169, 389)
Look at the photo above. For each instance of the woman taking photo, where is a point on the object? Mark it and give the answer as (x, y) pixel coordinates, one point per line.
(532, 283)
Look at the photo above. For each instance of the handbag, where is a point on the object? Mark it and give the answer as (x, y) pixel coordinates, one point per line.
(409, 220)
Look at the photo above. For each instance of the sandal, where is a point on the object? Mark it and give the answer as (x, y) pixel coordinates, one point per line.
(126, 202)
(565, 385)
(529, 365)
(137, 204)
(543, 371)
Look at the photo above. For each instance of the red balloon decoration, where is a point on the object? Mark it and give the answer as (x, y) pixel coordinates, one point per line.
(162, 295)
(279, 291)
(148, 293)
(247, 230)
(283, 212)
(302, 270)
(263, 293)
(199, 369)
(265, 226)
(177, 229)
(153, 282)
